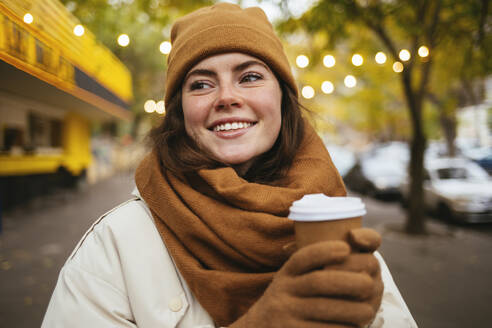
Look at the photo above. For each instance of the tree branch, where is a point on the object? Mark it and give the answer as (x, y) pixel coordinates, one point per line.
(383, 35)
(430, 36)
(419, 17)
(482, 21)
(434, 99)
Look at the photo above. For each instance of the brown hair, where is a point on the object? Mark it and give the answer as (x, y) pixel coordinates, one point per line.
(180, 154)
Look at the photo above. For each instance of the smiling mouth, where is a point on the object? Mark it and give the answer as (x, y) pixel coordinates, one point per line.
(232, 126)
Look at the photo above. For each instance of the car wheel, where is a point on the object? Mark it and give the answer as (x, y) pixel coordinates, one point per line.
(444, 212)
(370, 191)
(403, 201)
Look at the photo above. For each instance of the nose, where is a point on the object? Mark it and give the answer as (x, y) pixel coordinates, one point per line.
(228, 98)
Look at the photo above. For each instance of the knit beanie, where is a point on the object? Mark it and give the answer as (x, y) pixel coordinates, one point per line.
(221, 28)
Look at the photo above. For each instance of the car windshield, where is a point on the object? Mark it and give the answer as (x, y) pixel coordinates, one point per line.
(452, 173)
(383, 167)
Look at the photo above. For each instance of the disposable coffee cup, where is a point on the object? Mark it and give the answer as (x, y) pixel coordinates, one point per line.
(318, 217)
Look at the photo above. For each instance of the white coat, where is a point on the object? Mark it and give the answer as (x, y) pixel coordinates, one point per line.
(121, 275)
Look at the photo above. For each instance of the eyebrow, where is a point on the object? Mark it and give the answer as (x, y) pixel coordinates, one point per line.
(237, 68)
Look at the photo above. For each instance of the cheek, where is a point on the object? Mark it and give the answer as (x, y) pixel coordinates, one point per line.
(193, 116)
(187, 121)
(271, 110)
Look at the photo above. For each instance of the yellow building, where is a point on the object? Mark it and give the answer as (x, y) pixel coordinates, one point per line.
(53, 85)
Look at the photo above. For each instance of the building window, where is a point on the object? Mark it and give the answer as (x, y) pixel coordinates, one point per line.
(13, 137)
(44, 132)
(55, 133)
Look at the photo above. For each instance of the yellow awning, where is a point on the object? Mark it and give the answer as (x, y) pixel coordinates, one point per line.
(45, 46)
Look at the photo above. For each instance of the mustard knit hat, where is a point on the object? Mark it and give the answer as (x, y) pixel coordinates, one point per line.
(221, 28)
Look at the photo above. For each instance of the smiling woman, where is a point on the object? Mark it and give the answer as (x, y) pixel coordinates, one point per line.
(206, 242)
(232, 110)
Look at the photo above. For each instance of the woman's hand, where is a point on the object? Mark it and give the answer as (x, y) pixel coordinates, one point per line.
(323, 285)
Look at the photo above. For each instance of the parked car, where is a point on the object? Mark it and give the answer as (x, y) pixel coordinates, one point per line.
(481, 156)
(456, 189)
(485, 162)
(342, 157)
(380, 171)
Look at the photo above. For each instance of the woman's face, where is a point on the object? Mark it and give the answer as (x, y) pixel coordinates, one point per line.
(232, 107)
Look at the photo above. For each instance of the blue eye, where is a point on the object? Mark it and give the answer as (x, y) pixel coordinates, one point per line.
(251, 77)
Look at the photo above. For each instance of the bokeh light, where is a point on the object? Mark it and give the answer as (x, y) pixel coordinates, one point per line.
(404, 55)
(302, 61)
(350, 81)
(123, 40)
(165, 47)
(150, 106)
(423, 51)
(329, 61)
(357, 60)
(307, 92)
(160, 107)
(327, 87)
(28, 19)
(380, 58)
(397, 67)
(78, 30)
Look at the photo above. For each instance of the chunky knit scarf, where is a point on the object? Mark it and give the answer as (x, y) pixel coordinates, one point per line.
(225, 234)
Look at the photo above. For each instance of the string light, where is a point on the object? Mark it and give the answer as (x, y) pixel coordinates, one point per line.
(404, 55)
(28, 19)
(302, 61)
(329, 61)
(78, 30)
(307, 92)
(357, 60)
(160, 107)
(350, 81)
(150, 106)
(327, 87)
(397, 67)
(165, 47)
(380, 58)
(423, 51)
(123, 40)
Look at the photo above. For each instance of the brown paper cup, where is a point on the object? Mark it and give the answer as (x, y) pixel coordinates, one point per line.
(312, 232)
(318, 217)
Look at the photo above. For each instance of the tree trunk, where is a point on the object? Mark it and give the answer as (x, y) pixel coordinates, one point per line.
(448, 126)
(415, 223)
(447, 121)
(416, 212)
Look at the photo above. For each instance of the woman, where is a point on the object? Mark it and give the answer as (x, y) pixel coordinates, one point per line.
(203, 243)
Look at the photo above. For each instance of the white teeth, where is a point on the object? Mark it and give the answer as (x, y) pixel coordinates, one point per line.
(231, 126)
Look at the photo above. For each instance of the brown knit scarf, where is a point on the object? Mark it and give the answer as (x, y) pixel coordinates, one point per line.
(225, 234)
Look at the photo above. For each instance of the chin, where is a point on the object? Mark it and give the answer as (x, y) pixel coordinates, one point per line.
(234, 160)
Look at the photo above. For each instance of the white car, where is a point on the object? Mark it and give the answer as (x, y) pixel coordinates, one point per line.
(380, 171)
(457, 189)
(342, 157)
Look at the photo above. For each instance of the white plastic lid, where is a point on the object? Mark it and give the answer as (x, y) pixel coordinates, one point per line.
(319, 207)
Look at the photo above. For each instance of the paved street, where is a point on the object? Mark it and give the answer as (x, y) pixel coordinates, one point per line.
(37, 240)
(444, 277)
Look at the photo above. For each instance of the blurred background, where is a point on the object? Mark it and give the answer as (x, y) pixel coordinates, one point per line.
(400, 91)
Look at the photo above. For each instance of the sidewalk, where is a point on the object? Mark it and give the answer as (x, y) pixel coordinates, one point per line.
(444, 277)
(37, 240)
